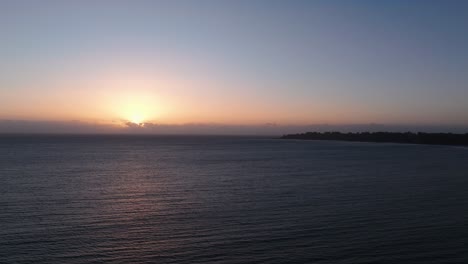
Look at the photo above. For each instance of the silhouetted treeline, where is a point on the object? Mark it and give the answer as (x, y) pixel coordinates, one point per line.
(408, 137)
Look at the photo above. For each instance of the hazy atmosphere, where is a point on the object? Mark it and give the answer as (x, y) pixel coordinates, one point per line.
(232, 67)
(233, 131)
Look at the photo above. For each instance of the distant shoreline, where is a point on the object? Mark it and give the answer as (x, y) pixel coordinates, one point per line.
(387, 137)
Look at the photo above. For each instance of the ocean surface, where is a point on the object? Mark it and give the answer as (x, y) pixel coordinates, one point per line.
(176, 199)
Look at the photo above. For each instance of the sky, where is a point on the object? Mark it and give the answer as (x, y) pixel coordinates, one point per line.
(110, 65)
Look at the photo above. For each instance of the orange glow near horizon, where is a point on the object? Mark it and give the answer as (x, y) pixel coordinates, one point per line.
(115, 93)
(115, 97)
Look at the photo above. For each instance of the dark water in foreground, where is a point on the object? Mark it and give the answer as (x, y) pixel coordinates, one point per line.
(230, 200)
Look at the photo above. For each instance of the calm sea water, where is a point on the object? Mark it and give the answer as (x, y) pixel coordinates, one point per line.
(124, 199)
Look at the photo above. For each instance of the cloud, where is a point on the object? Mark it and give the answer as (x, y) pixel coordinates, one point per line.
(133, 125)
(79, 127)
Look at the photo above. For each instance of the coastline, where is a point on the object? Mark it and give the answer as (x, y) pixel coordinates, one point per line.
(421, 138)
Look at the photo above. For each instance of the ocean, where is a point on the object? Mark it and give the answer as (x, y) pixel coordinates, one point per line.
(208, 199)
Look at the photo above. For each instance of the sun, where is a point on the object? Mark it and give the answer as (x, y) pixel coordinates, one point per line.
(137, 119)
(137, 113)
(135, 107)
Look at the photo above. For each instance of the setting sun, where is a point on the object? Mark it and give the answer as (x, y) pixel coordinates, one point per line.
(137, 119)
(135, 107)
(137, 113)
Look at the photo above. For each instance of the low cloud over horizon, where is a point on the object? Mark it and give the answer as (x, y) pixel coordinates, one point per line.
(80, 127)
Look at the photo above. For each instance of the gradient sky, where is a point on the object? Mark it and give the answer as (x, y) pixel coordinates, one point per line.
(235, 62)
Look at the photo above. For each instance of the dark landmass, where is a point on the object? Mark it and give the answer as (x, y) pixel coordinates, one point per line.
(389, 137)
